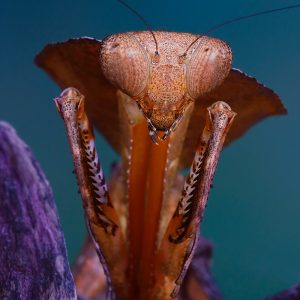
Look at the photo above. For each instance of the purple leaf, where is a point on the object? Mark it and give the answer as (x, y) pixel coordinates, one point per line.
(33, 257)
(199, 282)
(292, 293)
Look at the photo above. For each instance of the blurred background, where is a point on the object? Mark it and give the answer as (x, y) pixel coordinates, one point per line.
(253, 212)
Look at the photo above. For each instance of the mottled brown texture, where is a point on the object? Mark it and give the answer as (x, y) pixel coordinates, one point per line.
(208, 66)
(125, 63)
(76, 63)
(164, 82)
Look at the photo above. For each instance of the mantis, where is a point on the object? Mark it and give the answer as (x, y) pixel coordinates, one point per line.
(147, 94)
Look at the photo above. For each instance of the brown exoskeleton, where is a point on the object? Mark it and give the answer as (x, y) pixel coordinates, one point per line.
(163, 83)
(172, 85)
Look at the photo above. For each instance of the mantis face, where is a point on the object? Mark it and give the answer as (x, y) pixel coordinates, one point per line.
(164, 82)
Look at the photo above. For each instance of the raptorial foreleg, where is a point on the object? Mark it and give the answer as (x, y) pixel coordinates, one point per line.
(177, 247)
(101, 218)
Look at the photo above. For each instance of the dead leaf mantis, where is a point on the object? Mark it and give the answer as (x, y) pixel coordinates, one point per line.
(155, 85)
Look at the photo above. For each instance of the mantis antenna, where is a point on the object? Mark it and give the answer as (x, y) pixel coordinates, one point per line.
(256, 14)
(143, 20)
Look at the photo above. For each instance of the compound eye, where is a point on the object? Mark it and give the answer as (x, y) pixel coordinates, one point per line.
(208, 66)
(125, 63)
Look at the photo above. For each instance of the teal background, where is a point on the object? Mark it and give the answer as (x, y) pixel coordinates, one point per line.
(253, 212)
